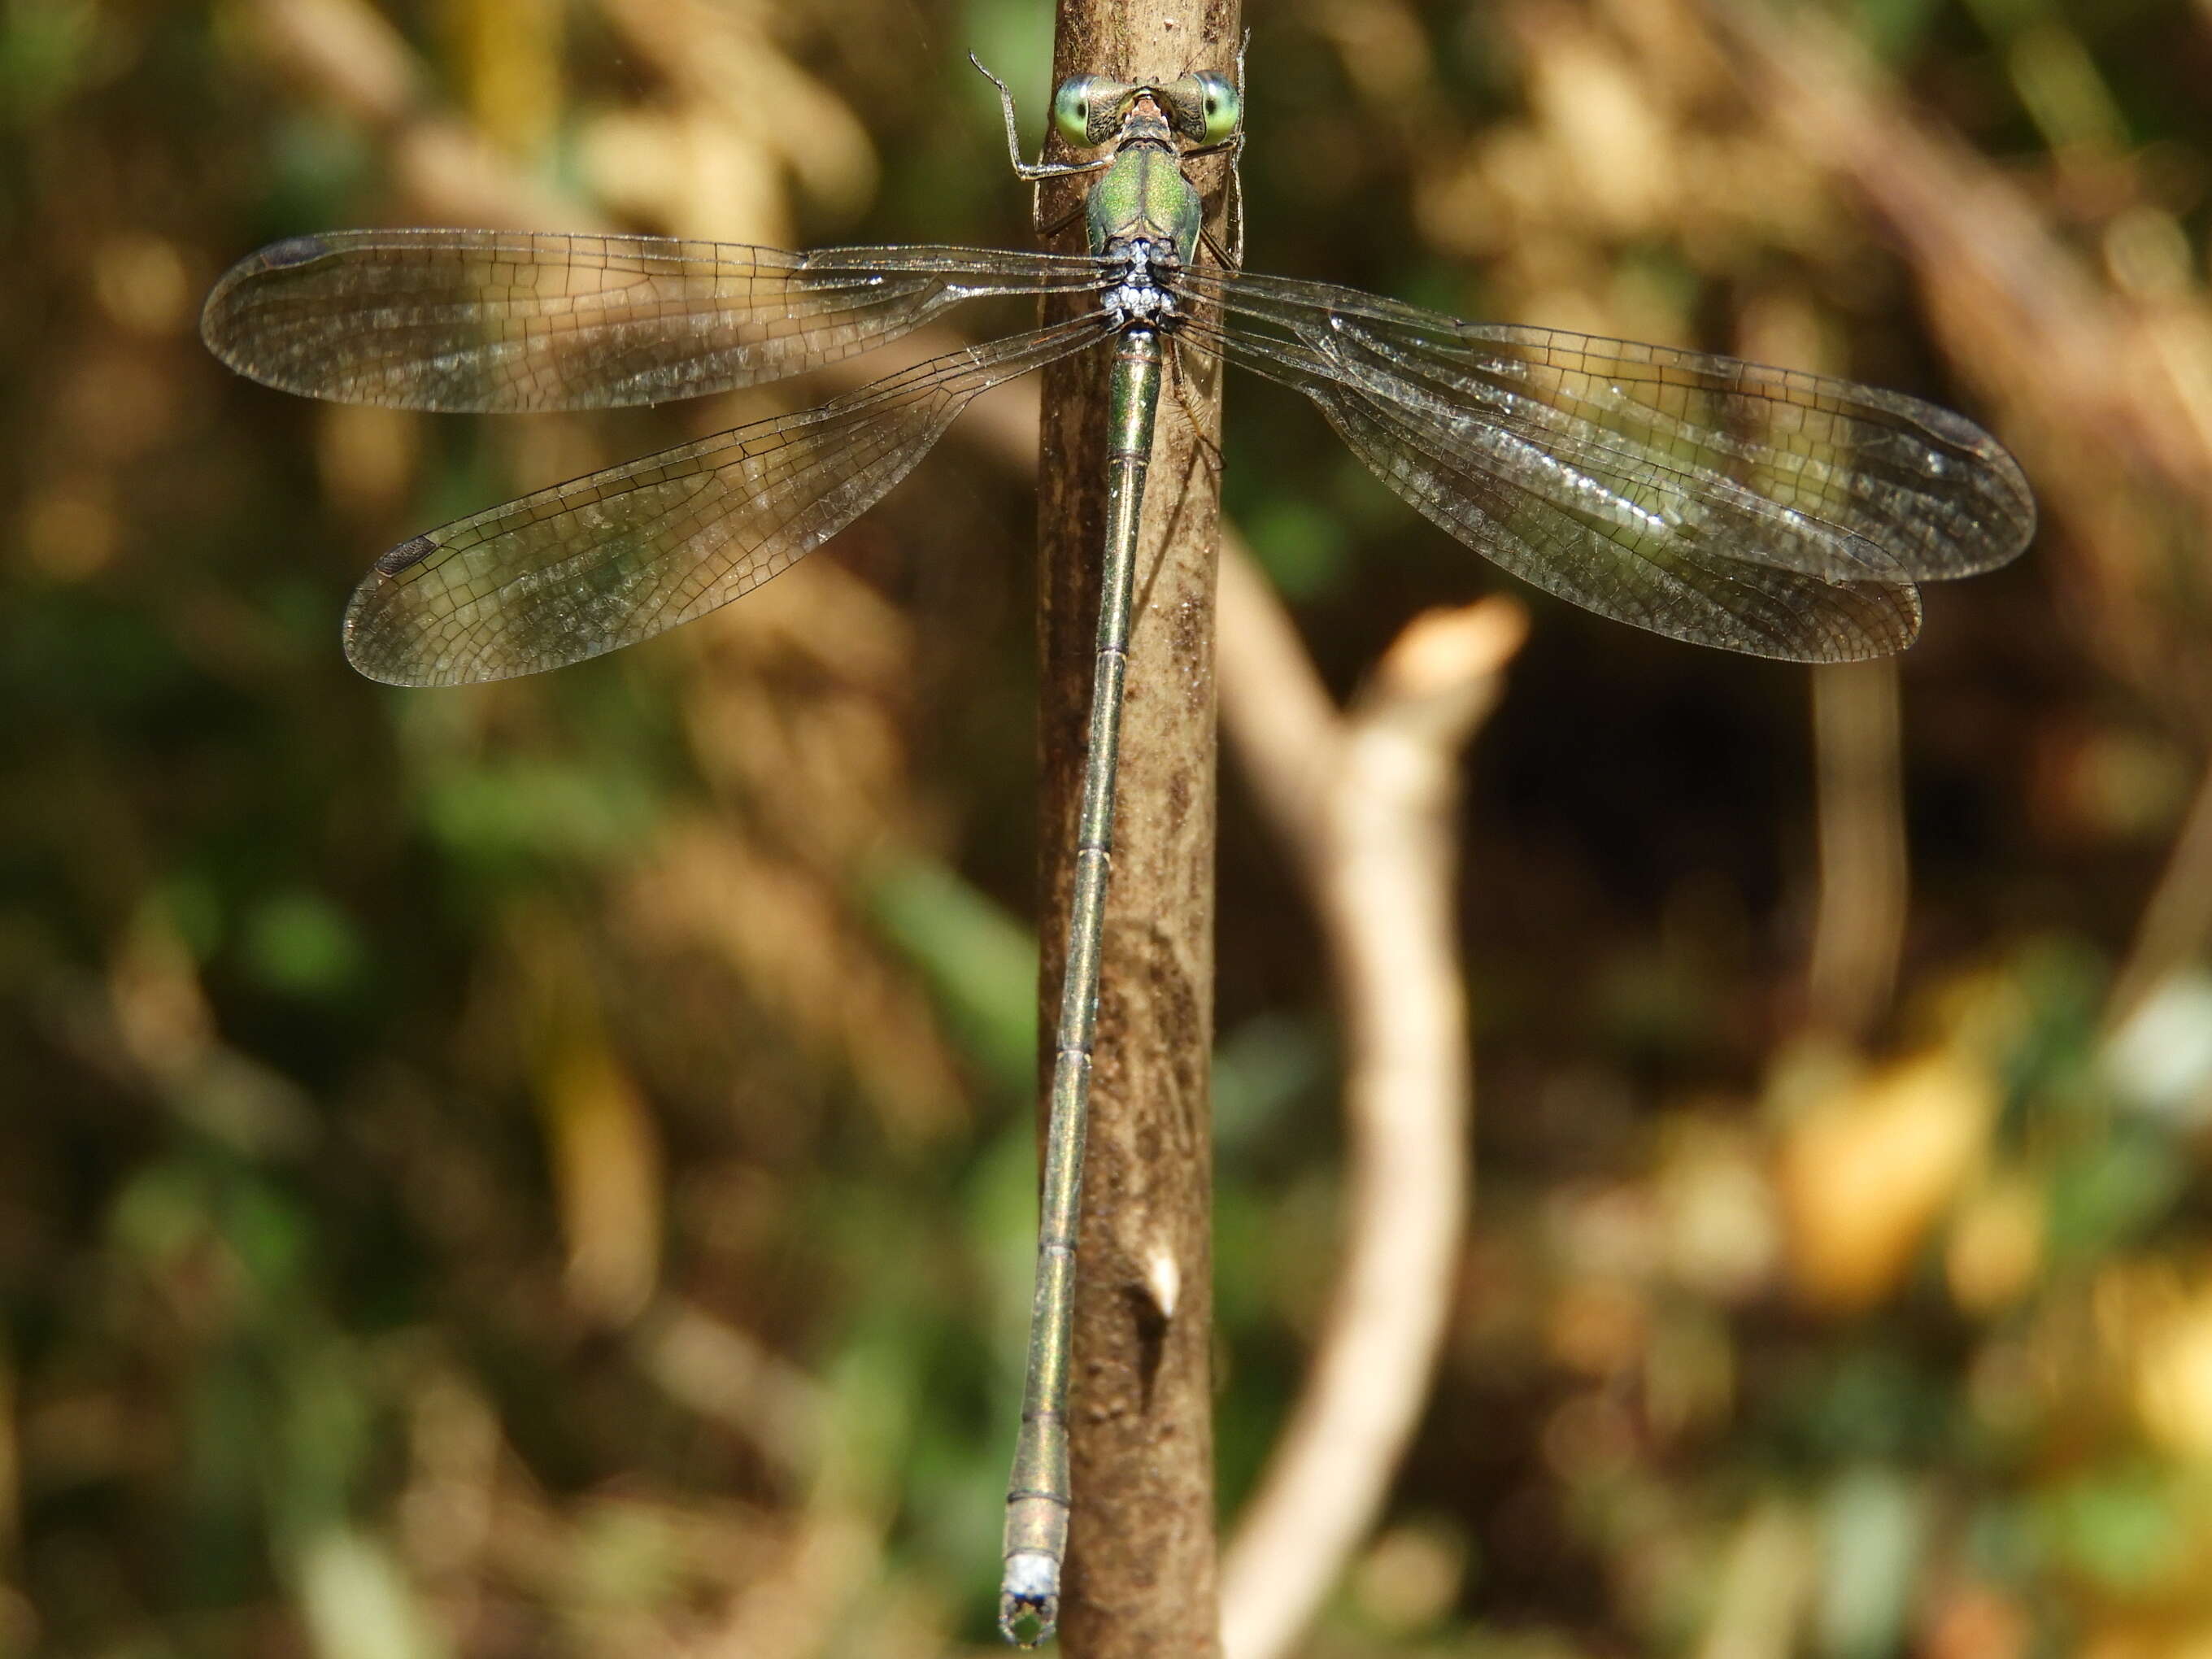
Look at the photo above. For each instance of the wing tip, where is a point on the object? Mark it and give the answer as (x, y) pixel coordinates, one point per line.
(406, 556)
(221, 318)
(367, 634)
(291, 250)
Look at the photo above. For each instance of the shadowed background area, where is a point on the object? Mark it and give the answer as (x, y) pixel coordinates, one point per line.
(547, 1168)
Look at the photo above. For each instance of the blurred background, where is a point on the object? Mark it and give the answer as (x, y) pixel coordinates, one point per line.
(547, 1169)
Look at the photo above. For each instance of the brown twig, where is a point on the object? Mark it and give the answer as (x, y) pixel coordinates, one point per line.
(1364, 802)
(1860, 927)
(2104, 381)
(351, 59)
(347, 57)
(2177, 922)
(2097, 384)
(1140, 1579)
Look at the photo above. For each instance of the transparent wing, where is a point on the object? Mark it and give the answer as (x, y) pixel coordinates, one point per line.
(1757, 509)
(492, 321)
(600, 563)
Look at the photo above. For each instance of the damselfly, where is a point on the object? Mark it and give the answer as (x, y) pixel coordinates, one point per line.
(1761, 510)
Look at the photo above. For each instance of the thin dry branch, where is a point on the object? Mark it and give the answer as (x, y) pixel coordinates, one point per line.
(342, 55)
(347, 57)
(2104, 382)
(1859, 930)
(1364, 802)
(2177, 923)
(2097, 384)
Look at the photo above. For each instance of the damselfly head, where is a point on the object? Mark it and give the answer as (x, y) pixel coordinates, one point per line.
(1202, 109)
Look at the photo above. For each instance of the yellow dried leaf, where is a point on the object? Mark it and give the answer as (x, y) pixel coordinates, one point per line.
(1867, 1170)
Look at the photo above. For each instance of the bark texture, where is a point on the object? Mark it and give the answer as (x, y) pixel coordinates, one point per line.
(1142, 1566)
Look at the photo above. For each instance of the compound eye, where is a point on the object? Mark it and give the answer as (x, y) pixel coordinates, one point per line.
(1072, 106)
(1222, 105)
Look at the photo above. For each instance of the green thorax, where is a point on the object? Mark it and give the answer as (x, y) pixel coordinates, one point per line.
(1144, 194)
